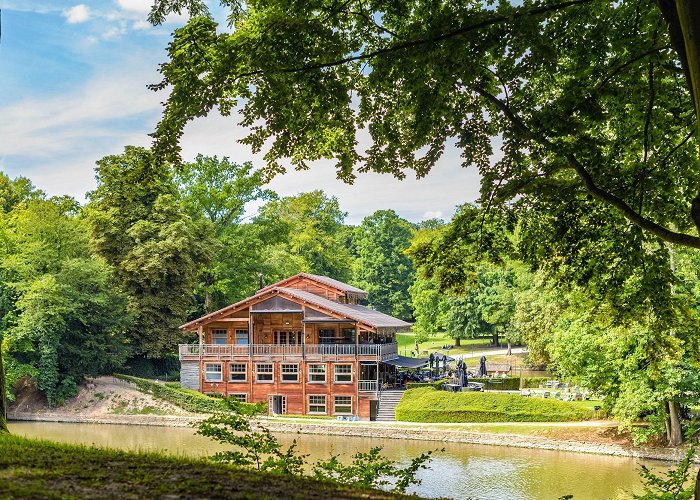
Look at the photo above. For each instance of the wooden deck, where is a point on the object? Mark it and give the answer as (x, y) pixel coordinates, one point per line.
(225, 352)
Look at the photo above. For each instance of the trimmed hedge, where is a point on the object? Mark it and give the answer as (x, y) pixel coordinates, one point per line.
(429, 405)
(437, 384)
(186, 399)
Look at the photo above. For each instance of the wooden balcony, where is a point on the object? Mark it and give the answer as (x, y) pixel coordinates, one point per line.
(223, 352)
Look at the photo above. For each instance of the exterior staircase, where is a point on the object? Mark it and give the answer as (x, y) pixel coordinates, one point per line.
(388, 400)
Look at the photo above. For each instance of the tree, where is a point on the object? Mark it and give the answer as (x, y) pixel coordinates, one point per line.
(381, 266)
(304, 233)
(218, 191)
(156, 250)
(429, 307)
(586, 95)
(64, 319)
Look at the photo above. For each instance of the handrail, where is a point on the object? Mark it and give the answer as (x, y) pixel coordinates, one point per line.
(367, 385)
(381, 351)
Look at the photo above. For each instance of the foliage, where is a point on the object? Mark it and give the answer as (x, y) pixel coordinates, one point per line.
(156, 250)
(429, 308)
(193, 401)
(371, 470)
(430, 405)
(674, 485)
(44, 469)
(64, 318)
(303, 233)
(437, 384)
(594, 103)
(381, 267)
(258, 448)
(218, 191)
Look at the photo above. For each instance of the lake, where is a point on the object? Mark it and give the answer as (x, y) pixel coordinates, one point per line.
(461, 471)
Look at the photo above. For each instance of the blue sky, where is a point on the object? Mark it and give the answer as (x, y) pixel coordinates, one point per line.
(73, 78)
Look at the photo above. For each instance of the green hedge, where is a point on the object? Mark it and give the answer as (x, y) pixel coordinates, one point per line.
(533, 382)
(437, 384)
(186, 399)
(429, 405)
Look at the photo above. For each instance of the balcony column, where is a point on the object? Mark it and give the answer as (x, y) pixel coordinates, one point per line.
(200, 333)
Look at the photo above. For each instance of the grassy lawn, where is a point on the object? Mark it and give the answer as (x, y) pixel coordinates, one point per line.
(407, 342)
(42, 469)
(431, 405)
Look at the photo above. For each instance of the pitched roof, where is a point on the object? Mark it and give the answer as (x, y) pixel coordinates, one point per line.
(359, 313)
(325, 280)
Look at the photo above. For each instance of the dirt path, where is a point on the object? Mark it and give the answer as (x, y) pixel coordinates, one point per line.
(105, 398)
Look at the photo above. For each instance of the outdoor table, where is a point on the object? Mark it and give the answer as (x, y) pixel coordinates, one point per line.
(452, 387)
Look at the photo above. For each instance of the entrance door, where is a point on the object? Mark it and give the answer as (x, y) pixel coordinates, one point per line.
(278, 404)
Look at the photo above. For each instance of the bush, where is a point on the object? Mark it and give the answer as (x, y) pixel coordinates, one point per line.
(429, 405)
(184, 398)
(498, 384)
(437, 384)
(533, 382)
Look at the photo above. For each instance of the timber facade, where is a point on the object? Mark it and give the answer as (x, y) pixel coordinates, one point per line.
(304, 345)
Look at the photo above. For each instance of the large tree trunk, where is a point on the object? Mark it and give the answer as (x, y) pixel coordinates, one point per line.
(508, 353)
(674, 432)
(457, 342)
(3, 401)
(494, 339)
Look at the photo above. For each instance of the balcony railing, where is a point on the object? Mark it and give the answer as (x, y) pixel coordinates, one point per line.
(367, 385)
(228, 351)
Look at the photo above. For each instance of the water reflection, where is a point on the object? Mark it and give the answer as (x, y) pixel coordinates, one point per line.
(461, 471)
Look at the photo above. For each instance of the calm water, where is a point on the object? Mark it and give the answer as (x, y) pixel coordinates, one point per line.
(461, 471)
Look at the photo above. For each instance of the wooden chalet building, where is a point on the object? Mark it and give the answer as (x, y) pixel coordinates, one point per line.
(303, 345)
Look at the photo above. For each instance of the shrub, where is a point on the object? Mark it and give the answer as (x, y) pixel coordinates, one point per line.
(437, 384)
(429, 405)
(184, 398)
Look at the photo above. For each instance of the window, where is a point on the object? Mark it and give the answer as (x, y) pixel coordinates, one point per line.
(317, 373)
(343, 374)
(219, 337)
(241, 336)
(343, 405)
(348, 335)
(263, 372)
(212, 372)
(290, 373)
(317, 404)
(237, 372)
(241, 398)
(326, 336)
(287, 338)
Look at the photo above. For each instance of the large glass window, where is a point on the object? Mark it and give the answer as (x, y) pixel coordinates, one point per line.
(343, 374)
(237, 372)
(241, 337)
(287, 338)
(290, 372)
(317, 404)
(348, 335)
(317, 373)
(219, 337)
(342, 405)
(326, 336)
(212, 372)
(263, 372)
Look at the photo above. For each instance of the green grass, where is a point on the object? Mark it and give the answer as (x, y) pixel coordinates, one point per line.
(42, 469)
(430, 405)
(407, 343)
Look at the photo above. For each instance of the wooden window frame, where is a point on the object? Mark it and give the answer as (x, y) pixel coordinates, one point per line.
(335, 373)
(247, 336)
(312, 373)
(283, 373)
(231, 372)
(241, 397)
(335, 405)
(270, 373)
(219, 331)
(207, 372)
(310, 404)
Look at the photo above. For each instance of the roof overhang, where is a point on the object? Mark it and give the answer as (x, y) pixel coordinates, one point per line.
(405, 362)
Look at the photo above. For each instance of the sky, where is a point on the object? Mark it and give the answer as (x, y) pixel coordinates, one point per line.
(73, 77)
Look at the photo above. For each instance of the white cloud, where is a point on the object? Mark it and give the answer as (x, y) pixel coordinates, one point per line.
(433, 214)
(141, 25)
(136, 6)
(77, 14)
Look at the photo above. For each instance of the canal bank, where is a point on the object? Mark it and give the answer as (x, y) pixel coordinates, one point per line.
(446, 433)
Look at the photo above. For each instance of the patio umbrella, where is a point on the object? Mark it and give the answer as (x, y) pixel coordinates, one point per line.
(482, 367)
(444, 364)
